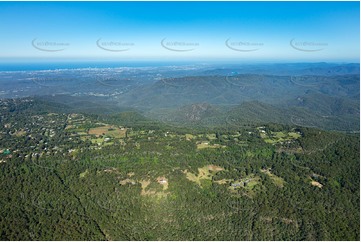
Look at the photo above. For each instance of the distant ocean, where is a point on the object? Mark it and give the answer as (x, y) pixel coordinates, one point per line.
(35, 66)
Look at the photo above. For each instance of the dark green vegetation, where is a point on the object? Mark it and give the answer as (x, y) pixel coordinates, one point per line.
(314, 95)
(312, 101)
(72, 176)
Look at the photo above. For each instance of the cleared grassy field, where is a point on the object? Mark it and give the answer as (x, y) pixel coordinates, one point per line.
(278, 137)
(278, 181)
(82, 133)
(270, 141)
(144, 184)
(20, 133)
(294, 135)
(97, 140)
(189, 136)
(204, 173)
(211, 136)
(206, 144)
(108, 130)
(223, 181)
(84, 174)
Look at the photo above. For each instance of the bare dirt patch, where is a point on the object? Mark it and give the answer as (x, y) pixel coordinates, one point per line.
(316, 184)
(215, 168)
(163, 181)
(111, 170)
(144, 184)
(127, 181)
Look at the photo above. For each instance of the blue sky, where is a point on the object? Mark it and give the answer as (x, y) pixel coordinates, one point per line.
(256, 31)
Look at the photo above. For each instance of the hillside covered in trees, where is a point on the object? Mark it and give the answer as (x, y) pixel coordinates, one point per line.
(77, 176)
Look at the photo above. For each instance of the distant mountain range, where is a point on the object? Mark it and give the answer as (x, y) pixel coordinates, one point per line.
(231, 90)
(322, 101)
(307, 94)
(288, 69)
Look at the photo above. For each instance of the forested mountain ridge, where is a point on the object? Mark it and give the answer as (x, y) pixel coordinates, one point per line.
(237, 88)
(78, 176)
(319, 95)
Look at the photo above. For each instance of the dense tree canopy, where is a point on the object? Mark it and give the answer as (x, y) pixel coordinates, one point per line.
(157, 182)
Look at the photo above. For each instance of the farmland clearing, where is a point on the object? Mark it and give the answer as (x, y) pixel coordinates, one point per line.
(271, 137)
(108, 130)
(204, 173)
(278, 181)
(206, 144)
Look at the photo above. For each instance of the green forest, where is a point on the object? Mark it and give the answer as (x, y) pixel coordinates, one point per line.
(77, 176)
